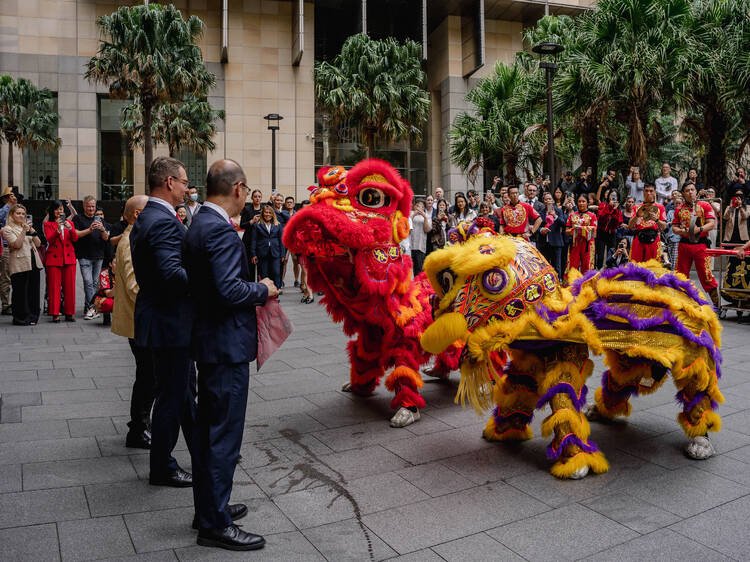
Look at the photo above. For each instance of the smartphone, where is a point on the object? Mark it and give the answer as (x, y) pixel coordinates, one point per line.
(636, 169)
(29, 219)
(98, 219)
(589, 170)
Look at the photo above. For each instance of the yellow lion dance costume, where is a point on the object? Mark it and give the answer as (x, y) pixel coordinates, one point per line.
(501, 297)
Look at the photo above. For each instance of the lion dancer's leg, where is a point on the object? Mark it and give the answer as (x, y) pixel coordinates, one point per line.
(405, 381)
(699, 395)
(365, 371)
(563, 386)
(624, 378)
(515, 397)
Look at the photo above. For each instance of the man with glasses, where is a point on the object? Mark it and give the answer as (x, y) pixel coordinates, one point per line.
(163, 318)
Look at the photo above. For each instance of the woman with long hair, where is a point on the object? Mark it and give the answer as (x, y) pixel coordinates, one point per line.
(24, 265)
(60, 262)
(266, 249)
(438, 234)
(461, 211)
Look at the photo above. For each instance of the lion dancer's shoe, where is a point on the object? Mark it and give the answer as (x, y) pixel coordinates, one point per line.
(405, 382)
(564, 389)
(515, 396)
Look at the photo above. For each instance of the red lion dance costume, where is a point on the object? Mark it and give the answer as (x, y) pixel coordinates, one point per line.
(349, 239)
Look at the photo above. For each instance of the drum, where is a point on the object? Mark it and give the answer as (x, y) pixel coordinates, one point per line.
(737, 276)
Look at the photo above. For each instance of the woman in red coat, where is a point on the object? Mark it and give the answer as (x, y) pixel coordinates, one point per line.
(60, 262)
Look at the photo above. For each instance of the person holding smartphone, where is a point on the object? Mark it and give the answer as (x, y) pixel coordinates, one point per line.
(739, 182)
(91, 247)
(60, 262)
(24, 264)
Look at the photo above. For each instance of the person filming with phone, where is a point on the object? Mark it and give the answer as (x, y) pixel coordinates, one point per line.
(90, 246)
(739, 182)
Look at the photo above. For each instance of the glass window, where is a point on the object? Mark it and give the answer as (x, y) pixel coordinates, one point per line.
(195, 167)
(116, 177)
(41, 171)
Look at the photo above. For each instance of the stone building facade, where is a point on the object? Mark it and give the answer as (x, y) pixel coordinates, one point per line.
(252, 52)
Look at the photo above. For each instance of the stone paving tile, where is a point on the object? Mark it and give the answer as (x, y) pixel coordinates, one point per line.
(361, 434)
(91, 427)
(271, 428)
(435, 479)
(11, 479)
(35, 543)
(478, 548)
(133, 497)
(42, 506)
(687, 491)
(73, 411)
(659, 545)
(11, 399)
(424, 555)
(435, 446)
(33, 431)
(45, 385)
(339, 500)
(724, 528)
(348, 540)
(414, 526)
(634, 513)
(158, 530)
(80, 396)
(292, 546)
(567, 533)
(62, 474)
(93, 539)
(156, 556)
(48, 450)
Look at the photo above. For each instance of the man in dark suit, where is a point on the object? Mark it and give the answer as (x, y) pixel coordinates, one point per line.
(224, 341)
(163, 317)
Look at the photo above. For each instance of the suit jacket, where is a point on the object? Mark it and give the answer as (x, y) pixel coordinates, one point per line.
(264, 243)
(163, 314)
(21, 249)
(60, 250)
(225, 328)
(556, 234)
(126, 289)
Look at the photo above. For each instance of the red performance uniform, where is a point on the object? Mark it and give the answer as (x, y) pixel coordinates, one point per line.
(515, 219)
(689, 252)
(647, 242)
(581, 251)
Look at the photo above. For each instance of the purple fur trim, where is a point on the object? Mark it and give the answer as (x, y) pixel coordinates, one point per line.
(697, 399)
(599, 310)
(566, 387)
(570, 439)
(575, 288)
(634, 272)
(622, 394)
(549, 315)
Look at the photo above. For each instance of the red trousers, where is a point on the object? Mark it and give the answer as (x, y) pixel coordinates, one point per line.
(689, 253)
(581, 256)
(640, 252)
(64, 277)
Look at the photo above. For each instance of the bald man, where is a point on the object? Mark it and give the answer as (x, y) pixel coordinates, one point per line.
(126, 289)
(223, 342)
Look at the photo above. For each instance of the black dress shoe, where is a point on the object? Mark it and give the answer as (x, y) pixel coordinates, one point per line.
(236, 511)
(231, 538)
(55, 320)
(138, 439)
(70, 318)
(177, 479)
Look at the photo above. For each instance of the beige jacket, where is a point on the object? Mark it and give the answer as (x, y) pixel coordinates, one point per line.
(21, 249)
(126, 289)
(729, 222)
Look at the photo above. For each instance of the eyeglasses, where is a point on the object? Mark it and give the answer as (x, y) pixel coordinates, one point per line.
(182, 181)
(243, 185)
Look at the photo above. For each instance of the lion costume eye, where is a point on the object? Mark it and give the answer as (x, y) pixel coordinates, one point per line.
(373, 198)
(446, 278)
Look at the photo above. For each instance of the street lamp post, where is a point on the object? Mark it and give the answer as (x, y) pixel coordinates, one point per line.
(552, 49)
(273, 126)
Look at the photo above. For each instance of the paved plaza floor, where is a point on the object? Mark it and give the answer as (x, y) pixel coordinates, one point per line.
(326, 478)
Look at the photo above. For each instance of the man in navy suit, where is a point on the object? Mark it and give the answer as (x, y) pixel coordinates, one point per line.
(163, 317)
(224, 341)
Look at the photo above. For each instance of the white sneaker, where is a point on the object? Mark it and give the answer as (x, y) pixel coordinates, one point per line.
(700, 448)
(94, 314)
(404, 417)
(89, 314)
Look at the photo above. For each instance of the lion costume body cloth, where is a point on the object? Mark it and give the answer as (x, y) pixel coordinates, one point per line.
(499, 295)
(349, 240)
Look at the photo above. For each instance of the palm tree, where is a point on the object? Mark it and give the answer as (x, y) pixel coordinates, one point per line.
(149, 53)
(27, 118)
(635, 56)
(377, 87)
(191, 123)
(503, 125)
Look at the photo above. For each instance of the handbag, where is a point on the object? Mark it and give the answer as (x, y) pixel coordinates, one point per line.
(647, 236)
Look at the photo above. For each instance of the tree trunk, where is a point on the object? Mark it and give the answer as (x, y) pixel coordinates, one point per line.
(10, 163)
(636, 144)
(715, 123)
(590, 146)
(511, 161)
(148, 149)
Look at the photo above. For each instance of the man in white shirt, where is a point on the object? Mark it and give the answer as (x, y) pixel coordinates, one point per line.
(665, 184)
